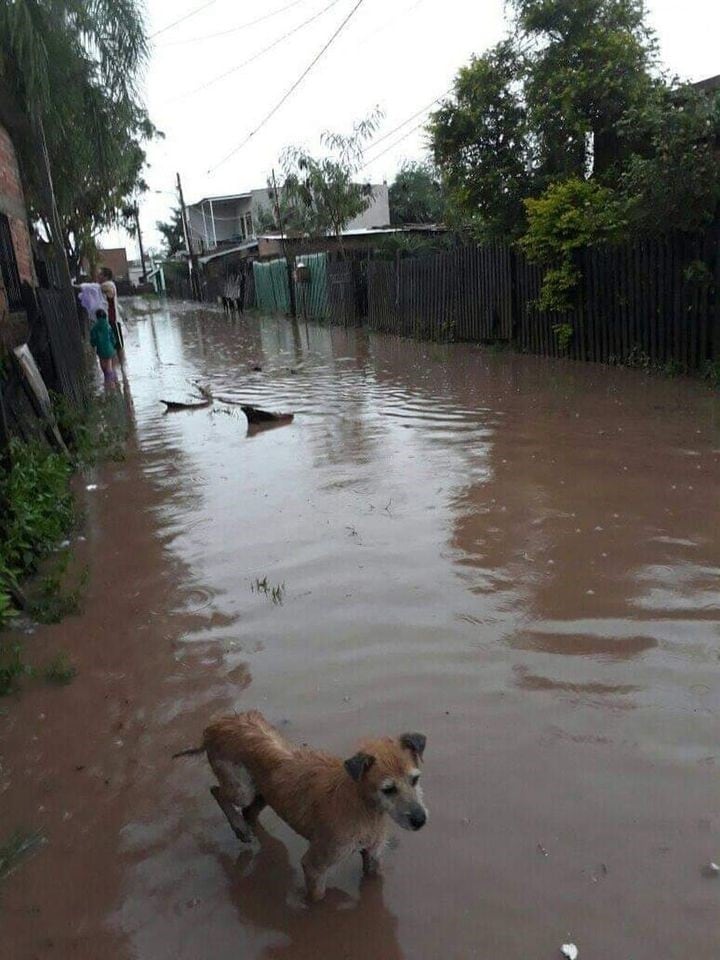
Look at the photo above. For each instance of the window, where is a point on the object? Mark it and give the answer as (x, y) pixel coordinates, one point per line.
(8, 264)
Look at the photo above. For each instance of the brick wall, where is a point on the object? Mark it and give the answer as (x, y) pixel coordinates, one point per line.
(12, 204)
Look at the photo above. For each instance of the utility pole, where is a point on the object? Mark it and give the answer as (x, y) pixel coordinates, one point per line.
(291, 279)
(143, 275)
(193, 270)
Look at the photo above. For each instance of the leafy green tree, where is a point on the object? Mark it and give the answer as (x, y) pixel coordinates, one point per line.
(172, 232)
(481, 143)
(671, 180)
(72, 67)
(545, 104)
(323, 190)
(588, 64)
(416, 195)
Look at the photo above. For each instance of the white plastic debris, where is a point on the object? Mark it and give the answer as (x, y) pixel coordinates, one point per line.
(570, 951)
(714, 868)
(91, 486)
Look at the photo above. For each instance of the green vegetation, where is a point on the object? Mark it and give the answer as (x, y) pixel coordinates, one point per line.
(37, 511)
(320, 193)
(60, 670)
(416, 195)
(566, 135)
(72, 69)
(95, 433)
(36, 514)
(53, 598)
(172, 232)
(19, 845)
(568, 218)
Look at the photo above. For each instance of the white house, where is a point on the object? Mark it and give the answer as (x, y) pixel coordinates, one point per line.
(236, 217)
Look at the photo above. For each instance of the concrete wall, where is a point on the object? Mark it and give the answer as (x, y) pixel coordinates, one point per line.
(239, 219)
(116, 259)
(377, 214)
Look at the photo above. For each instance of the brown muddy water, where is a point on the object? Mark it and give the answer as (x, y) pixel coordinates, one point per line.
(517, 556)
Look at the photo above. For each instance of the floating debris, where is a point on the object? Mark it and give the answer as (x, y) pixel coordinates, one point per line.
(570, 951)
(711, 871)
(256, 415)
(192, 405)
(91, 486)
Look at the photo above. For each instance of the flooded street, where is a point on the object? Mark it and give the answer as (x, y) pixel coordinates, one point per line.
(518, 557)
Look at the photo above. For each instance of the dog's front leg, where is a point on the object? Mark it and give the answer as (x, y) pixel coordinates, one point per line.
(316, 863)
(372, 864)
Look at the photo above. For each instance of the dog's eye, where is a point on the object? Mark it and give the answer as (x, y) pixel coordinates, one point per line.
(415, 780)
(389, 790)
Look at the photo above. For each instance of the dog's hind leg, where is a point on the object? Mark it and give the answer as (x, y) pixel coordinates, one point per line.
(235, 792)
(234, 816)
(253, 810)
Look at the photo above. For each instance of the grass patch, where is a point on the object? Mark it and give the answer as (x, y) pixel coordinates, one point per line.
(60, 671)
(96, 432)
(36, 511)
(12, 667)
(19, 845)
(53, 598)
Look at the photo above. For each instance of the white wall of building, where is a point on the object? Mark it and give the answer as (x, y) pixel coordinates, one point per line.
(238, 218)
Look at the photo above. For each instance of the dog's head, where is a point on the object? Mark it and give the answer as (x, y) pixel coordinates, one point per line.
(387, 773)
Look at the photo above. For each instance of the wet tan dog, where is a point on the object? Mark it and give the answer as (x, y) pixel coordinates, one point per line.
(339, 807)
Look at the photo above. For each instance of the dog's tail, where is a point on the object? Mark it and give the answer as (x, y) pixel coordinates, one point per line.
(192, 752)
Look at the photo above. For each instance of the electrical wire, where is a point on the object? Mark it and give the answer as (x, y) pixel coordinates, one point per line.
(409, 119)
(236, 29)
(176, 23)
(390, 133)
(292, 89)
(392, 145)
(254, 57)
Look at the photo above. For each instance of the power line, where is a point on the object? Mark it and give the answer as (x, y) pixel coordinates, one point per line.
(392, 145)
(236, 29)
(399, 127)
(409, 119)
(255, 56)
(292, 89)
(175, 23)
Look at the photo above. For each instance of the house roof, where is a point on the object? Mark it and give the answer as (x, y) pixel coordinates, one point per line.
(222, 199)
(226, 251)
(367, 232)
(712, 83)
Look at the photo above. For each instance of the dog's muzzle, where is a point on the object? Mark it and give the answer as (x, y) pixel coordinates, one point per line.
(417, 818)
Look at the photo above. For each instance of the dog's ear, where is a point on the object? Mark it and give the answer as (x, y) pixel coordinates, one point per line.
(415, 743)
(358, 765)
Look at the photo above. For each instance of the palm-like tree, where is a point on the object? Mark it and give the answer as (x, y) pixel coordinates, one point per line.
(72, 67)
(39, 39)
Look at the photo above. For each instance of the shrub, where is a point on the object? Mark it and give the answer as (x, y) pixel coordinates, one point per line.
(567, 218)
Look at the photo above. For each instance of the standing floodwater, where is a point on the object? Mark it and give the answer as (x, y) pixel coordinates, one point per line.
(518, 557)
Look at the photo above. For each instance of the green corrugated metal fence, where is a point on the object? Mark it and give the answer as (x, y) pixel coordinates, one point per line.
(271, 287)
(312, 298)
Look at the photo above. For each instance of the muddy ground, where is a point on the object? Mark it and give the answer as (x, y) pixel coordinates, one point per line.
(517, 556)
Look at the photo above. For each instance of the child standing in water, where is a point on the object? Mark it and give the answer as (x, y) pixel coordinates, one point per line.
(101, 337)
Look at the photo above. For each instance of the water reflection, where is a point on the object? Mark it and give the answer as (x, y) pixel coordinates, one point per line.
(263, 889)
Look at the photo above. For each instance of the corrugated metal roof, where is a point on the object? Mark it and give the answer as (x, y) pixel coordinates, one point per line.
(248, 245)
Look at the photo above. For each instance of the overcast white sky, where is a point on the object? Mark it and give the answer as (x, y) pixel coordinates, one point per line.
(398, 54)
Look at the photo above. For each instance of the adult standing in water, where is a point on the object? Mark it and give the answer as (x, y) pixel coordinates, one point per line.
(107, 285)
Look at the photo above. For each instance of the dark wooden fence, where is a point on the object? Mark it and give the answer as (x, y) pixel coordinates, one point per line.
(655, 301)
(466, 294)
